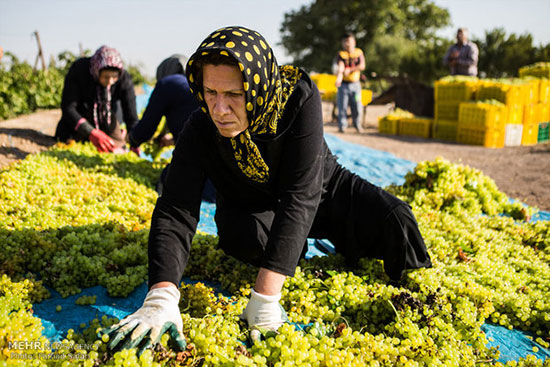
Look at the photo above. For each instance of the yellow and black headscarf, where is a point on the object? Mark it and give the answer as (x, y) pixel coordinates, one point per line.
(267, 87)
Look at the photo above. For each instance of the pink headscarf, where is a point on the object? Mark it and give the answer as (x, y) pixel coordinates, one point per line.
(104, 57)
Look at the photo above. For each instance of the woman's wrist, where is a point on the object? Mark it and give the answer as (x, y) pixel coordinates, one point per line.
(269, 282)
(162, 285)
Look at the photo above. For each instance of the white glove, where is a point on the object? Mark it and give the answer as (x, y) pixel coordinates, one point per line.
(263, 312)
(159, 313)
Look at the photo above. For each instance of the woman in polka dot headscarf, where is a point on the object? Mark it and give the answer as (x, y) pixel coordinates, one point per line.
(258, 136)
(266, 87)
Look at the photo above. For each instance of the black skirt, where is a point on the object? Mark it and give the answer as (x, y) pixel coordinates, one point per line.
(359, 218)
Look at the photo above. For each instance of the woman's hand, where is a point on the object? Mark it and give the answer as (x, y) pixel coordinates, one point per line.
(102, 141)
(165, 140)
(263, 310)
(158, 314)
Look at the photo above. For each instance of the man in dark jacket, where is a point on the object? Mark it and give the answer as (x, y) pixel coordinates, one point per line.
(93, 86)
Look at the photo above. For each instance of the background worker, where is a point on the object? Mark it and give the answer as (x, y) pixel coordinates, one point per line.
(171, 98)
(258, 136)
(462, 57)
(93, 86)
(350, 62)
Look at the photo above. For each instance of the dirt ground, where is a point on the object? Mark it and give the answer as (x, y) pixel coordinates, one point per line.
(522, 172)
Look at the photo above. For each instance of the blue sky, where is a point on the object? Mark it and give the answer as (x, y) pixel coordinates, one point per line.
(147, 31)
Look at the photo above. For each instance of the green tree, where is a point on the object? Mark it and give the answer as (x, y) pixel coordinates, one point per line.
(136, 74)
(543, 53)
(388, 31)
(501, 55)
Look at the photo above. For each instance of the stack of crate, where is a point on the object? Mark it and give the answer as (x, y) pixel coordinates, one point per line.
(527, 100)
(449, 92)
(416, 126)
(482, 123)
(514, 94)
(390, 124)
(537, 109)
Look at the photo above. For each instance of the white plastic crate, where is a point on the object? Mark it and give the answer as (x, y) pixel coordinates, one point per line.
(512, 135)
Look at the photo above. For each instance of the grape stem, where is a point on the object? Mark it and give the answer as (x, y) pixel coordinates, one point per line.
(394, 310)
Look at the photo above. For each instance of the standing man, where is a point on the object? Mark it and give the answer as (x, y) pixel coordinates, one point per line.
(351, 62)
(462, 56)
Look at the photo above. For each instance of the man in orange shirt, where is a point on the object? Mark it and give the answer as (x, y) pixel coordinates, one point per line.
(351, 62)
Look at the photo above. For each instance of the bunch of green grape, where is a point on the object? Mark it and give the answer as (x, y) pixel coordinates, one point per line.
(71, 258)
(442, 185)
(86, 300)
(490, 265)
(75, 187)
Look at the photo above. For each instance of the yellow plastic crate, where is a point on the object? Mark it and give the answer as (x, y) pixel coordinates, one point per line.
(530, 134)
(490, 138)
(415, 126)
(544, 90)
(326, 83)
(366, 96)
(529, 114)
(542, 112)
(509, 94)
(444, 130)
(482, 115)
(446, 110)
(515, 114)
(455, 90)
(388, 125)
(531, 91)
(329, 95)
(539, 69)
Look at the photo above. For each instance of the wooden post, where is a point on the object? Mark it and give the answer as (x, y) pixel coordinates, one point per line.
(40, 53)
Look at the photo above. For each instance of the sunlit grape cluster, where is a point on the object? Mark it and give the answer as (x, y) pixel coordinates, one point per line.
(442, 185)
(73, 218)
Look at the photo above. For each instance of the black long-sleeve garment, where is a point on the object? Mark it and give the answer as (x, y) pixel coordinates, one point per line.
(171, 98)
(305, 184)
(77, 101)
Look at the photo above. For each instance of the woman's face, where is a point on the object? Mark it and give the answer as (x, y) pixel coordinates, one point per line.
(108, 77)
(225, 97)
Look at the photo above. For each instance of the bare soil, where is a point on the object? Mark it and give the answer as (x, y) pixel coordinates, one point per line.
(522, 172)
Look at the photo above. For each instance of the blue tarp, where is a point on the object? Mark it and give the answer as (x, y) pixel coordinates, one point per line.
(143, 99)
(380, 168)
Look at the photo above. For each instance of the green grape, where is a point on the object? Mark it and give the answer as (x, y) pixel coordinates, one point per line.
(486, 267)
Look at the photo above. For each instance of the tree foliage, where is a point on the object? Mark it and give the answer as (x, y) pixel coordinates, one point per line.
(502, 55)
(399, 39)
(24, 90)
(389, 32)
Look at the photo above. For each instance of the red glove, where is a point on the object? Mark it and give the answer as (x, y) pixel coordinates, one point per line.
(102, 141)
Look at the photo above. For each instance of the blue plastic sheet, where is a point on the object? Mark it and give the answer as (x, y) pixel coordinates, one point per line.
(380, 168)
(143, 99)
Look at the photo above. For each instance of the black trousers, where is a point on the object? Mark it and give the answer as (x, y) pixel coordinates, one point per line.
(360, 219)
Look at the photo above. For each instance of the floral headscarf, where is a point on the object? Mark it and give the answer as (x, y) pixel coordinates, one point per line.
(267, 88)
(104, 57)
